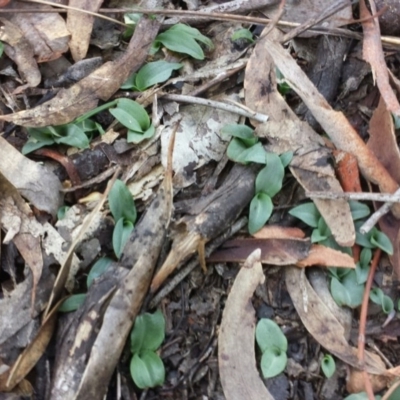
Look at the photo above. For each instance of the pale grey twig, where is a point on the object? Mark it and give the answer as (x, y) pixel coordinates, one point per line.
(216, 104)
(382, 197)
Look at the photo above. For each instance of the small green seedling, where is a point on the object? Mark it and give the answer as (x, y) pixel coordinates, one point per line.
(62, 211)
(273, 345)
(378, 297)
(328, 365)
(245, 148)
(283, 86)
(242, 34)
(123, 210)
(1, 49)
(150, 74)
(361, 396)
(182, 39)
(72, 303)
(147, 368)
(347, 285)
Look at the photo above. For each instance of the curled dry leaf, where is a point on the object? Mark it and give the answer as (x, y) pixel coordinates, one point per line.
(334, 123)
(102, 83)
(323, 325)
(20, 51)
(236, 351)
(35, 182)
(80, 25)
(285, 132)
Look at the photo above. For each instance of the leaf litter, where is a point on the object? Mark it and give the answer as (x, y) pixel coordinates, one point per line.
(203, 200)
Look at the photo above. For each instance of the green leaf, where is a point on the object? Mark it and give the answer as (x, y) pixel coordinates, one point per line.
(378, 297)
(273, 362)
(126, 119)
(242, 34)
(153, 73)
(260, 210)
(237, 151)
(62, 211)
(98, 268)
(147, 370)
(307, 213)
(134, 137)
(362, 272)
(242, 132)
(358, 210)
(361, 396)
(122, 229)
(148, 332)
(286, 158)
(135, 110)
(96, 110)
(328, 365)
(339, 293)
(129, 83)
(1, 49)
(269, 335)
(182, 39)
(121, 202)
(73, 136)
(72, 303)
(347, 292)
(256, 154)
(379, 239)
(365, 257)
(39, 137)
(317, 236)
(269, 179)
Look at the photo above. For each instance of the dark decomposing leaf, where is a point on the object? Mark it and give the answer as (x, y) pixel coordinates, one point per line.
(285, 132)
(70, 103)
(102, 335)
(208, 218)
(236, 351)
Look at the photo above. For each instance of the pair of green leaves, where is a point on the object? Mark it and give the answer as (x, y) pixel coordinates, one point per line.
(273, 345)
(245, 148)
(147, 368)
(150, 74)
(328, 365)
(123, 210)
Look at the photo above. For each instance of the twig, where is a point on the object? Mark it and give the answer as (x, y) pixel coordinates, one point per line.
(382, 197)
(216, 104)
(191, 265)
(363, 322)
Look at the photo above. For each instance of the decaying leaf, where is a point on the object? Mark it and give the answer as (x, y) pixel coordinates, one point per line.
(236, 351)
(20, 51)
(35, 182)
(102, 83)
(80, 25)
(285, 132)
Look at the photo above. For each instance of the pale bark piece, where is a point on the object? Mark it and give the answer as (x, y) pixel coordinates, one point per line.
(323, 325)
(20, 51)
(84, 374)
(279, 232)
(373, 53)
(34, 181)
(102, 83)
(236, 350)
(285, 132)
(80, 25)
(334, 123)
(46, 32)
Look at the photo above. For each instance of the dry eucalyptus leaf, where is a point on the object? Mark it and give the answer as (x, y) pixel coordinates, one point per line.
(236, 351)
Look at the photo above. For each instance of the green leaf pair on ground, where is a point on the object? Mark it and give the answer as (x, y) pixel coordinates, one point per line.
(347, 285)
(147, 368)
(245, 148)
(123, 210)
(273, 345)
(328, 365)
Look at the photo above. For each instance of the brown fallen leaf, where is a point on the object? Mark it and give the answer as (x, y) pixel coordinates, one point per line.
(285, 132)
(323, 325)
(102, 83)
(46, 33)
(373, 53)
(80, 25)
(279, 232)
(236, 351)
(334, 123)
(20, 51)
(35, 182)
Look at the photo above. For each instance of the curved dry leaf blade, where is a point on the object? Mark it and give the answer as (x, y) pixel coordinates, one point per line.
(236, 351)
(323, 325)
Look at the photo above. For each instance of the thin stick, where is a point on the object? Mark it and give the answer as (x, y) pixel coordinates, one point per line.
(216, 104)
(383, 197)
